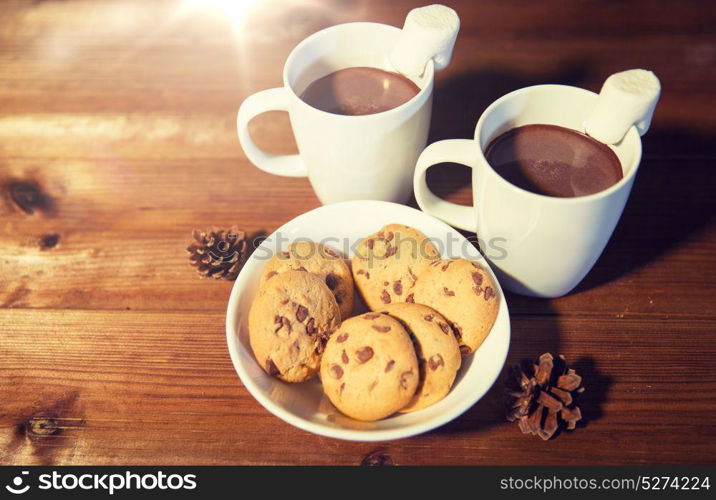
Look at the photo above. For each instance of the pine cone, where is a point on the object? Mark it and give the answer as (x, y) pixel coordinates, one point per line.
(541, 397)
(218, 254)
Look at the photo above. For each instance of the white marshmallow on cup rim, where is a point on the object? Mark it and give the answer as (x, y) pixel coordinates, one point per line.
(627, 98)
(428, 33)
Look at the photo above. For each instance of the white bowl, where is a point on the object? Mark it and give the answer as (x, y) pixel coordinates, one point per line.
(342, 225)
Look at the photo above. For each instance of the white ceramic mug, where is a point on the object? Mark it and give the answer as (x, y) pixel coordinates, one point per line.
(344, 157)
(548, 244)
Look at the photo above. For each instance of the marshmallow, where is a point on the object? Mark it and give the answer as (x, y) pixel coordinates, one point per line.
(428, 33)
(627, 98)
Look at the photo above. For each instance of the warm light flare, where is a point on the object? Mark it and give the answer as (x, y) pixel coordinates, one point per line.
(232, 9)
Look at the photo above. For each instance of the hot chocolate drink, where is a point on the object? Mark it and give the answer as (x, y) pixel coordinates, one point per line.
(359, 91)
(553, 161)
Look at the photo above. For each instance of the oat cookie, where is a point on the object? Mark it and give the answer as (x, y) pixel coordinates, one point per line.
(290, 319)
(369, 369)
(464, 293)
(320, 260)
(386, 264)
(436, 348)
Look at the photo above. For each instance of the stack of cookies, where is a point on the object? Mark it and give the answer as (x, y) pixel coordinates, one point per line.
(303, 295)
(426, 314)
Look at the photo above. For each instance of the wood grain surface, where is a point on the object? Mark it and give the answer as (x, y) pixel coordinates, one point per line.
(117, 138)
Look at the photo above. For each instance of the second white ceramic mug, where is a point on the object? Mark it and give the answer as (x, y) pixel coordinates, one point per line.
(547, 244)
(344, 157)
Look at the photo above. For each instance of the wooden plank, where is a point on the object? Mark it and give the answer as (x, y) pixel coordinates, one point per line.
(123, 226)
(117, 119)
(139, 387)
(114, 72)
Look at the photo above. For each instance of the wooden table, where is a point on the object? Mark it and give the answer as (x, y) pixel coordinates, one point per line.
(117, 138)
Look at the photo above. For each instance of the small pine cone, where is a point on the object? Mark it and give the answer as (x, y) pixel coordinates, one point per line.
(218, 254)
(541, 396)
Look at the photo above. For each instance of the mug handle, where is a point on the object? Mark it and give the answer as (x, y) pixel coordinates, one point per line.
(261, 102)
(454, 151)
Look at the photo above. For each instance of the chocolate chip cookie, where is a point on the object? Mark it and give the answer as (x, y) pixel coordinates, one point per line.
(436, 348)
(386, 264)
(290, 319)
(320, 260)
(369, 369)
(464, 293)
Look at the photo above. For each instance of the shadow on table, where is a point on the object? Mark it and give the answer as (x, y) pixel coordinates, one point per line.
(597, 385)
(490, 410)
(255, 239)
(672, 199)
(459, 101)
(530, 337)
